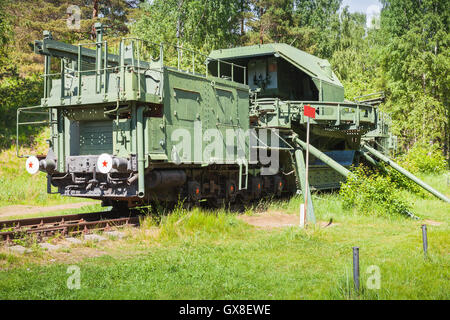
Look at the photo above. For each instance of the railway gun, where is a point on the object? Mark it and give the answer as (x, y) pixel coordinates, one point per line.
(129, 129)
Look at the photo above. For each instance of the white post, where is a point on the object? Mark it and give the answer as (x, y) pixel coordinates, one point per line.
(302, 215)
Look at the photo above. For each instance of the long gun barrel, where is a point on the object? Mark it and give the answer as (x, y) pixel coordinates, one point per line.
(408, 174)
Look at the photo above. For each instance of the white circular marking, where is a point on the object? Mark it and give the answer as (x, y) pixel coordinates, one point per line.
(104, 163)
(32, 165)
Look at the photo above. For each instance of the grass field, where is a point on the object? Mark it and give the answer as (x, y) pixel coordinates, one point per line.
(18, 187)
(215, 255)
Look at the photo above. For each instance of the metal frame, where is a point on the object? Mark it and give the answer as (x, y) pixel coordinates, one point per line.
(18, 124)
(138, 64)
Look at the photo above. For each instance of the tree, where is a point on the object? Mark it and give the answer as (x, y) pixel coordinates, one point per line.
(271, 21)
(355, 56)
(31, 17)
(6, 68)
(416, 61)
(317, 26)
(199, 24)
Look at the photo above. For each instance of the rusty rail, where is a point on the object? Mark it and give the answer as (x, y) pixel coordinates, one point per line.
(65, 225)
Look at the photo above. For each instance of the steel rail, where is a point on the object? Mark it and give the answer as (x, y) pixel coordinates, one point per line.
(65, 224)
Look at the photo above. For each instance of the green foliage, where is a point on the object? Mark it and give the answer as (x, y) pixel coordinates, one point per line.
(424, 158)
(30, 18)
(18, 92)
(372, 193)
(199, 24)
(355, 58)
(403, 182)
(321, 17)
(6, 67)
(311, 25)
(408, 58)
(271, 21)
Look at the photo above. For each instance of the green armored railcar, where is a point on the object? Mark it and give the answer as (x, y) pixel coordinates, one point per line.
(136, 114)
(128, 129)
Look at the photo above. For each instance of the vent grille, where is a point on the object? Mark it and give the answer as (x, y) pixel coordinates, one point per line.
(96, 137)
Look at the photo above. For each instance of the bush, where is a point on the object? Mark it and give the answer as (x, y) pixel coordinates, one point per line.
(403, 182)
(372, 193)
(424, 158)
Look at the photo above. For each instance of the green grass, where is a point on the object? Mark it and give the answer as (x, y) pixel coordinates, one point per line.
(214, 255)
(18, 187)
(439, 182)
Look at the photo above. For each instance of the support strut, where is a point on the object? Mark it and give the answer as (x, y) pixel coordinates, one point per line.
(405, 172)
(324, 158)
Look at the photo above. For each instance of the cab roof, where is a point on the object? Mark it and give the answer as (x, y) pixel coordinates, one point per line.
(311, 65)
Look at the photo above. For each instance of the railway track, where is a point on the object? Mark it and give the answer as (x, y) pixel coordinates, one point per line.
(65, 225)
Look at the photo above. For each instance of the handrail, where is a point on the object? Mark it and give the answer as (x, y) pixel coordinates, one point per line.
(193, 52)
(18, 124)
(292, 103)
(136, 60)
(360, 113)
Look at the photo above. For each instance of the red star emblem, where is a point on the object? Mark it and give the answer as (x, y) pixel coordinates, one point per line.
(105, 164)
(30, 165)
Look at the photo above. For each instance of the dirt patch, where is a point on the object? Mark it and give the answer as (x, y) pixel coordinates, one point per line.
(75, 254)
(20, 210)
(432, 222)
(270, 220)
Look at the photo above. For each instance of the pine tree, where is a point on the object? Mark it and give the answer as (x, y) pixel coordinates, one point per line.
(31, 17)
(271, 21)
